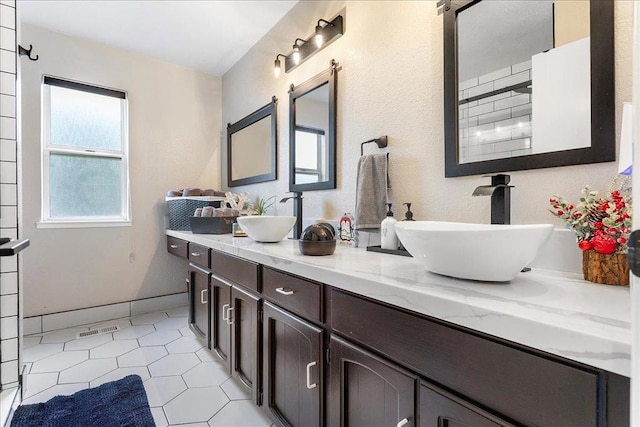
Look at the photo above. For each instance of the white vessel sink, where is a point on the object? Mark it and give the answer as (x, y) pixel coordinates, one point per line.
(494, 253)
(266, 228)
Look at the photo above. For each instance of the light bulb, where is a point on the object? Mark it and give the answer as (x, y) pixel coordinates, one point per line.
(276, 68)
(319, 39)
(296, 54)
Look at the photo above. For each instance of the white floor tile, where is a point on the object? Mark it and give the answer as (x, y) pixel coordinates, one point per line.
(39, 352)
(37, 383)
(195, 405)
(171, 323)
(142, 356)
(88, 343)
(207, 356)
(206, 375)
(173, 364)
(158, 417)
(161, 390)
(60, 361)
(62, 335)
(235, 390)
(119, 373)
(113, 349)
(87, 371)
(160, 337)
(185, 345)
(29, 342)
(58, 390)
(134, 332)
(122, 323)
(149, 318)
(187, 332)
(240, 413)
(179, 312)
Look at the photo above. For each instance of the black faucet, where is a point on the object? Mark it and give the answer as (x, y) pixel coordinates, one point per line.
(297, 211)
(500, 193)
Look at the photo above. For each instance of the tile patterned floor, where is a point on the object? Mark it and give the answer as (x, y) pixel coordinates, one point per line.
(185, 384)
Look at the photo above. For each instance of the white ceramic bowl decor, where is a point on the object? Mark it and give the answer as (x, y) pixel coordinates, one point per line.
(486, 252)
(266, 228)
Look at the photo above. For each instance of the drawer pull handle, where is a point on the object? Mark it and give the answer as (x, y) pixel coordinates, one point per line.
(202, 300)
(283, 291)
(225, 316)
(309, 385)
(403, 422)
(229, 318)
(196, 254)
(174, 246)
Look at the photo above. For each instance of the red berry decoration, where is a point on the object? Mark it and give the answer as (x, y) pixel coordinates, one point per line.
(604, 244)
(585, 245)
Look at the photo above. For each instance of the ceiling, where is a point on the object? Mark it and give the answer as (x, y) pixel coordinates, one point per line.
(209, 36)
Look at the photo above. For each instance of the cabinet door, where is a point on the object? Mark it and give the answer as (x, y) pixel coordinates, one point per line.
(293, 369)
(367, 391)
(243, 316)
(199, 302)
(439, 408)
(220, 325)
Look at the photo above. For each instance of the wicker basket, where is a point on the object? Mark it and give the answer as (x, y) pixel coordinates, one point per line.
(179, 209)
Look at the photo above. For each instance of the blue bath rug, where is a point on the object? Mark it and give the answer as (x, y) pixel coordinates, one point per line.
(118, 403)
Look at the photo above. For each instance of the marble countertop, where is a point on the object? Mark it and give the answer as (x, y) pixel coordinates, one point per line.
(558, 313)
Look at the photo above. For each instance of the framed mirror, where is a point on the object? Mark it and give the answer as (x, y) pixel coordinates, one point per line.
(252, 147)
(312, 133)
(528, 84)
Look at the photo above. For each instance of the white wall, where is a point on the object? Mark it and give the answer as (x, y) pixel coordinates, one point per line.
(391, 83)
(174, 140)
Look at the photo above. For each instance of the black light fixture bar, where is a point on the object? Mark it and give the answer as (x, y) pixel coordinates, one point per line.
(330, 32)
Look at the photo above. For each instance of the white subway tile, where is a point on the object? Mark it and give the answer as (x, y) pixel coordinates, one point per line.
(159, 303)
(493, 156)
(468, 84)
(481, 149)
(8, 150)
(8, 83)
(523, 66)
(9, 371)
(32, 325)
(8, 173)
(524, 152)
(8, 283)
(521, 110)
(8, 305)
(11, 233)
(52, 322)
(7, 61)
(495, 135)
(494, 75)
(521, 131)
(511, 122)
(513, 101)
(517, 144)
(9, 327)
(8, 39)
(7, 16)
(482, 129)
(7, 106)
(494, 98)
(512, 80)
(480, 109)
(9, 217)
(11, 3)
(478, 90)
(8, 263)
(9, 350)
(494, 116)
(7, 128)
(8, 196)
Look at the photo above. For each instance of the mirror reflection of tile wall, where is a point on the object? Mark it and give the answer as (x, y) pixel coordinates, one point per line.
(9, 295)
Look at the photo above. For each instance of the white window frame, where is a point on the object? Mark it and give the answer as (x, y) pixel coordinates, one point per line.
(48, 148)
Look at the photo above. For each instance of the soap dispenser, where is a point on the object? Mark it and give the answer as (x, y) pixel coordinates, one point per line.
(408, 216)
(388, 238)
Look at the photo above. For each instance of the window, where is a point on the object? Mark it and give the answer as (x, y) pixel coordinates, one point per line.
(310, 164)
(84, 157)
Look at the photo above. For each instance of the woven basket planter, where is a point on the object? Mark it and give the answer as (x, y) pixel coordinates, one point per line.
(605, 269)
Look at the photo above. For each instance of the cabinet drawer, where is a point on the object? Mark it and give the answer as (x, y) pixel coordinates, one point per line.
(177, 247)
(297, 295)
(199, 255)
(520, 383)
(237, 270)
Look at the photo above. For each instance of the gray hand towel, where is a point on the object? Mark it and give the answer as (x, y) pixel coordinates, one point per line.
(371, 191)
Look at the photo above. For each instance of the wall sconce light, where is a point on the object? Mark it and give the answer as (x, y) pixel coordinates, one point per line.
(302, 48)
(319, 38)
(296, 51)
(277, 64)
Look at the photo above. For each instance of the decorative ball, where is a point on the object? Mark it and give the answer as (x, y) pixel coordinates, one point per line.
(318, 239)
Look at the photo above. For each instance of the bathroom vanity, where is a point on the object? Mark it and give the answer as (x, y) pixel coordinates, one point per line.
(362, 338)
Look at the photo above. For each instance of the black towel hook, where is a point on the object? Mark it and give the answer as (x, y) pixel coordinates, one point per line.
(380, 142)
(27, 52)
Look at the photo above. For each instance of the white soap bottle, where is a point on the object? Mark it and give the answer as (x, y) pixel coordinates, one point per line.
(388, 237)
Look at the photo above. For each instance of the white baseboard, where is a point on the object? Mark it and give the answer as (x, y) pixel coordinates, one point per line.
(84, 316)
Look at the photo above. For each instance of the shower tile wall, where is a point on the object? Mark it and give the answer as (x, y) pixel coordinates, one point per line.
(9, 296)
(495, 126)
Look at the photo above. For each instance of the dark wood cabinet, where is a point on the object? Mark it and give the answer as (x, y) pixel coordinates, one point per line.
(243, 315)
(293, 369)
(178, 247)
(220, 326)
(199, 302)
(367, 391)
(438, 408)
